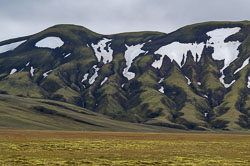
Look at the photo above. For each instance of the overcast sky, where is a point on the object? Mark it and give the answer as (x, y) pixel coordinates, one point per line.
(24, 17)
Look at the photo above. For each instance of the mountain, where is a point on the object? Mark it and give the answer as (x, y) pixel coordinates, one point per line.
(195, 78)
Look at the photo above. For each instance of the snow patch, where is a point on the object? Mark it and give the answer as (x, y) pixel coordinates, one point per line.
(85, 77)
(224, 51)
(92, 79)
(161, 89)
(27, 64)
(122, 85)
(101, 51)
(161, 80)
(46, 73)
(104, 80)
(246, 62)
(178, 52)
(199, 83)
(205, 114)
(188, 80)
(205, 96)
(67, 55)
(248, 83)
(225, 85)
(130, 54)
(50, 42)
(32, 71)
(13, 71)
(11, 46)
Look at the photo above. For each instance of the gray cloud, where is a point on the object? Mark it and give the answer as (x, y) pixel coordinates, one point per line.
(24, 17)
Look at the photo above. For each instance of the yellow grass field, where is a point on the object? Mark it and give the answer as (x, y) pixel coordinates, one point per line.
(20, 147)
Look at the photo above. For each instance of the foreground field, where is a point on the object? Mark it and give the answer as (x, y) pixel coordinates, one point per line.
(110, 148)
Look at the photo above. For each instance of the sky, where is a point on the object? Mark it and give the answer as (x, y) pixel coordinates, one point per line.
(25, 17)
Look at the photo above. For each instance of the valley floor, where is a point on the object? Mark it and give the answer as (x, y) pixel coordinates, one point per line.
(23, 147)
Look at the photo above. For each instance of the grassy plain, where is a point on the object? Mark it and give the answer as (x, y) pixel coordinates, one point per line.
(20, 147)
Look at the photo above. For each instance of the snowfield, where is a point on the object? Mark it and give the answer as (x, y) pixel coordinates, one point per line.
(10, 47)
(46, 73)
(248, 83)
(161, 89)
(224, 51)
(227, 51)
(92, 79)
(85, 77)
(188, 80)
(161, 80)
(104, 80)
(13, 71)
(67, 55)
(130, 54)
(32, 71)
(102, 50)
(50, 42)
(178, 51)
(246, 62)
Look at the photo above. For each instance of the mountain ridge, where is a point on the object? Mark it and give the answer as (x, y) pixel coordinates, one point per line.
(115, 74)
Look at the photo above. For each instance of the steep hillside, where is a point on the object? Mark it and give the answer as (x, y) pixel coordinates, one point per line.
(197, 77)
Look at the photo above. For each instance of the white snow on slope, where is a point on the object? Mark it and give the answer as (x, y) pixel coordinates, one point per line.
(130, 54)
(85, 77)
(205, 114)
(199, 83)
(104, 80)
(67, 55)
(27, 64)
(32, 71)
(50, 42)
(161, 89)
(246, 62)
(177, 51)
(46, 73)
(161, 80)
(205, 96)
(225, 84)
(92, 79)
(13, 71)
(188, 80)
(248, 83)
(224, 51)
(11, 46)
(101, 52)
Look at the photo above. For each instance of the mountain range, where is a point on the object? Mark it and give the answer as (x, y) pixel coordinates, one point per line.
(69, 77)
